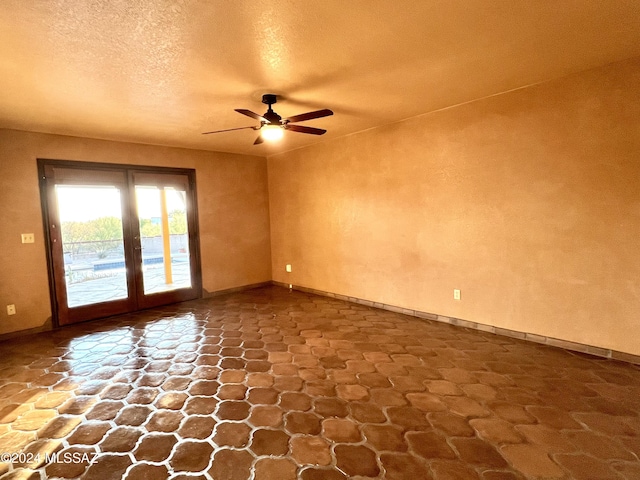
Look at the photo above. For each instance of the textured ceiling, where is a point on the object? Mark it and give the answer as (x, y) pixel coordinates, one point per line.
(163, 71)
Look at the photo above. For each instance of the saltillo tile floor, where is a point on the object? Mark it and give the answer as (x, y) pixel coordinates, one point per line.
(272, 384)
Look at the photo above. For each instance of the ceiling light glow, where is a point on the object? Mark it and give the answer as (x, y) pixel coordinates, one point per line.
(271, 133)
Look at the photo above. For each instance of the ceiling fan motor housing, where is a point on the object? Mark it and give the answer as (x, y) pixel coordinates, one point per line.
(269, 99)
(270, 115)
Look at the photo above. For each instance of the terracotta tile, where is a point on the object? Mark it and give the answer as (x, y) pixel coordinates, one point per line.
(201, 405)
(78, 405)
(142, 396)
(600, 446)
(231, 465)
(171, 400)
(443, 387)
(301, 422)
(426, 402)
(151, 380)
(266, 416)
(177, 383)
(606, 424)
(500, 475)
(341, 430)
(495, 430)
(191, 456)
(51, 400)
(204, 387)
(232, 434)
(35, 454)
(155, 447)
(9, 413)
(272, 468)
(288, 383)
(309, 450)
(262, 396)
(197, 426)
(385, 437)
(134, 415)
(550, 439)
(479, 392)
(146, 471)
(477, 452)
(120, 439)
(80, 458)
(59, 427)
(515, 414)
(356, 460)
(386, 397)
(367, 413)
(532, 461)
(466, 407)
(260, 380)
(322, 474)
(553, 417)
(108, 467)
(627, 469)
(373, 380)
(404, 466)
(232, 392)
(330, 407)
(115, 392)
(453, 470)
(89, 433)
(33, 420)
(284, 369)
(429, 445)
(164, 421)
(269, 442)
(233, 410)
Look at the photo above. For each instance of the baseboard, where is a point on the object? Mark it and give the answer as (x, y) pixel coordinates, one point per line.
(531, 337)
(216, 293)
(46, 327)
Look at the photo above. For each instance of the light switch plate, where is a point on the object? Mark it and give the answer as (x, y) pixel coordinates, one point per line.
(28, 238)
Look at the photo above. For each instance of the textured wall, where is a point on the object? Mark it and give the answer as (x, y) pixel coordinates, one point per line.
(232, 201)
(529, 202)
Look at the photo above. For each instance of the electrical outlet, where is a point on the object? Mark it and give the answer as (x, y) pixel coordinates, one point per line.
(456, 294)
(11, 309)
(28, 238)
(288, 268)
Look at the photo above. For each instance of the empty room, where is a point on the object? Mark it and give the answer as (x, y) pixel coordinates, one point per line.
(328, 240)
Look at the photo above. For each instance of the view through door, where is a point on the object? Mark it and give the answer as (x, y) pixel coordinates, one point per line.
(120, 238)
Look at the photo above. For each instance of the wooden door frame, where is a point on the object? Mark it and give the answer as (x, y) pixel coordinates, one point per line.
(194, 237)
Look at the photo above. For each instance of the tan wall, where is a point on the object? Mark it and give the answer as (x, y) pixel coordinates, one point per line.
(529, 202)
(232, 201)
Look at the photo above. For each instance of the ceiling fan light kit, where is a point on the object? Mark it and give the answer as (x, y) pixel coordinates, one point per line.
(272, 125)
(272, 133)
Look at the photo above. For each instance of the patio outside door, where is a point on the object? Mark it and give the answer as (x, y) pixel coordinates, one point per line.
(120, 239)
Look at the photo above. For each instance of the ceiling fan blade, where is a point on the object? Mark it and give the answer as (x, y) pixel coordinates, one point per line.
(228, 130)
(301, 129)
(309, 116)
(259, 140)
(251, 114)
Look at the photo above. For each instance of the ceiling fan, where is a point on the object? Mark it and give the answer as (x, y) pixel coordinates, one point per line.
(272, 125)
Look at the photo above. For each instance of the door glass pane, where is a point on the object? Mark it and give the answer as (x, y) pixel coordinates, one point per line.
(164, 238)
(91, 227)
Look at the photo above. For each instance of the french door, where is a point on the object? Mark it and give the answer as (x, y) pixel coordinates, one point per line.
(120, 238)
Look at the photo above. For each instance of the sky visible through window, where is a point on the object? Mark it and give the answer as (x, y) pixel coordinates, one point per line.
(83, 203)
